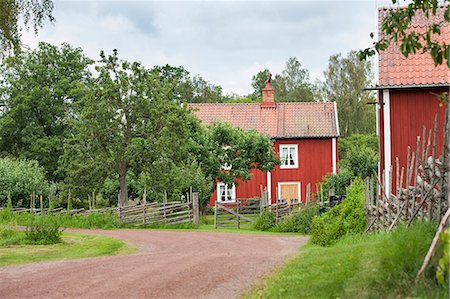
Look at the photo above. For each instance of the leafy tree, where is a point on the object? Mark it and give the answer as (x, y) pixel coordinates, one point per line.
(226, 153)
(395, 29)
(33, 13)
(128, 122)
(36, 93)
(355, 141)
(344, 83)
(19, 179)
(292, 85)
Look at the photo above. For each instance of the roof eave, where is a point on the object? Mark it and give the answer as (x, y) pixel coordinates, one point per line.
(410, 86)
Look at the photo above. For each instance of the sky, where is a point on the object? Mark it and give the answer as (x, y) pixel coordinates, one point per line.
(225, 42)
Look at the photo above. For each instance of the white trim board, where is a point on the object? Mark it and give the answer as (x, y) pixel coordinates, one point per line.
(387, 138)
(333, 154)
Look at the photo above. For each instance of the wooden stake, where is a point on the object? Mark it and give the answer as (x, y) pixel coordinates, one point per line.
(41, 203)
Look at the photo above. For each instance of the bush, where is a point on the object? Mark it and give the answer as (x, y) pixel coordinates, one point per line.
(43, 234)
(338, 182)
(9, 236)
(265, 221)
(347, 218)
(299, 221)
(19, 179)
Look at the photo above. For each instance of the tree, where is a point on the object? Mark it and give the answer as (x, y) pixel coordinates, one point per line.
(33, 13)
(292, 85)
(344, 83)
(128, 122)
(227, 154)
(395, 29)
(37, 92)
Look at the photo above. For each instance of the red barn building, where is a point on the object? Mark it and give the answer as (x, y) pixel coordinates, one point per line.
(408, 95)
(304, 134)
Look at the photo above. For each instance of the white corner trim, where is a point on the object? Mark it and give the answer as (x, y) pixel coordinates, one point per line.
(269, 186)
(337, 119)
(299, 184)
(387, 138)
(333, 154)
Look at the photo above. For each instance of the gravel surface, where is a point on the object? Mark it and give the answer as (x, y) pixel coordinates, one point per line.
(169, 264)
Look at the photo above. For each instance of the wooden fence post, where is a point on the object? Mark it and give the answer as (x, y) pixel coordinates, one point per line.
(195, 208)
(237, 212)
(215, 214)
(41, 204)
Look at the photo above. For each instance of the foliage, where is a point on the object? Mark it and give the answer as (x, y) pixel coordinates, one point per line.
(299, 221)
(10, 236)
(265, 221)
(347, 218)
(355, 141)
(354, 268)
(221, 145)
(37, 91)
(128, 121)
(395, 30)
(292, 85)
(43, 234)
(19, 179)
(363, 162)
(442, 272)
(74, 246)
(344, 83)
(13, 12)
(337, 182)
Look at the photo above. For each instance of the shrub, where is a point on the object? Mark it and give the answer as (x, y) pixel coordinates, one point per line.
(41, 233)
(9, 236)
(338, 182)
(299, 221)
(265, 221)
(19, 179)
(347, 218)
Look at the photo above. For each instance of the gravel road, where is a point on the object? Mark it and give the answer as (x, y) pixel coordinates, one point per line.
(168, 264)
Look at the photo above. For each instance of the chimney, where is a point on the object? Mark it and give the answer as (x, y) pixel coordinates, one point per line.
(268, 94)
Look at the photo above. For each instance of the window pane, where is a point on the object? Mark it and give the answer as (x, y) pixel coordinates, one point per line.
(229, 193)
(222, 192)
(284, 156)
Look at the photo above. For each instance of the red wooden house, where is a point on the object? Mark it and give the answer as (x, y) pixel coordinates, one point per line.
(408, 92)
(304, 134)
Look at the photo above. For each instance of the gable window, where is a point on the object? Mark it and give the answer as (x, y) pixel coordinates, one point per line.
(289, 155)
(226, 193)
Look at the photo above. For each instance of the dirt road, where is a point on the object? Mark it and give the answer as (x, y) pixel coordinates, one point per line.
(169, 264)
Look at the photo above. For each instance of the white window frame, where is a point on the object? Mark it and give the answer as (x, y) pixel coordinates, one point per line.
(233, 192)
(299, 184)
(295, 146)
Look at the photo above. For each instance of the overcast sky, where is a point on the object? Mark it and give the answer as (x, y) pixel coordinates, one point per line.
(224, 42)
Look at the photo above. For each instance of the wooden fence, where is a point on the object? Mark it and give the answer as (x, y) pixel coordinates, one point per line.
(419, 190)
(235, 215)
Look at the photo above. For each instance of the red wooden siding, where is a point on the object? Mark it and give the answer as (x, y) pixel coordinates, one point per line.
(315, 161)
(411, 110)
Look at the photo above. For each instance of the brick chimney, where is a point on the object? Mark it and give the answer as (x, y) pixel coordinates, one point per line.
(268, 94)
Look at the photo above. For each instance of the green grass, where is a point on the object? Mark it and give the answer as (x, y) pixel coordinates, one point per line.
(378, 265)
(74, 246)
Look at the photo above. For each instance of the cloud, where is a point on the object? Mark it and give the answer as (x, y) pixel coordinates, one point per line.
(225, 42)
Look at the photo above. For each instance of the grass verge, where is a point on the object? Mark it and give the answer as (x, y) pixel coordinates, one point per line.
(381, 265)
(74, 246)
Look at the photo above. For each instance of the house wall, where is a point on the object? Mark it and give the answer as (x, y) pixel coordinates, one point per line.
(410, 110)
(315, 161)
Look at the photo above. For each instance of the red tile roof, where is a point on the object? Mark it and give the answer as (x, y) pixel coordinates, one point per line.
(417, 69)
(283, 120)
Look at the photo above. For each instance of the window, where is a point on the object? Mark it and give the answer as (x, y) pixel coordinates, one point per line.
(225, 193)
(289, 155)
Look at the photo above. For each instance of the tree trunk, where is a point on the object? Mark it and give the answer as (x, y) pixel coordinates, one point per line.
(123, 192)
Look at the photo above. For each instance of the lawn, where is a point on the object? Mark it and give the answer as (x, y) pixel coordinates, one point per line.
(378, 265)
(74, 246)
